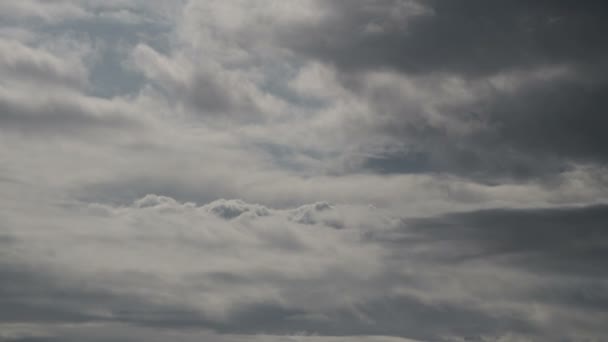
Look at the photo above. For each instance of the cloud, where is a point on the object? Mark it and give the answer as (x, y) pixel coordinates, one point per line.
(490, 132)
(555, 236)
(207, 91)
(229, 209)
(32, 10)
(162, 263)
(21, 63)
(475, 81)
(218, 287)
(302, 171)
(205, 88)
(473, 39)
(122, 332)
(64, 114)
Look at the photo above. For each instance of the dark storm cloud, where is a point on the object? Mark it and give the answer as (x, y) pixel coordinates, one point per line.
(565, 247)
(542, 127)
(470, 37)
(563, 118)
(390, 316)
(37, 298)
(559, 241)
(30, 295)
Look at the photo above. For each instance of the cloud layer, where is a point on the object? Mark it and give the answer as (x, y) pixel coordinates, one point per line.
(394, 170)
(238, 268)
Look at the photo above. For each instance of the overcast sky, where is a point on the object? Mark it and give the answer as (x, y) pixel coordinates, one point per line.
(303, 170)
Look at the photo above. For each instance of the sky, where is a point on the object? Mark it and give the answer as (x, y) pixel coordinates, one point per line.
(303, 170)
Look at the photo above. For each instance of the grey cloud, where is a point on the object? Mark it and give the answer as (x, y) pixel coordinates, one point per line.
(466, 275)
(392, 316)
(471, 38)
(229, 209)
(313, 171)
(33, 11)
(542, 128)
(23, 63)
(312, 214)
(102, 331)
(118, 294)
(70, 115)
(201, 87)
(226, 209)
(124, 191)
(560, 118)
(34, 295)
(107, 31)
(44, 91)
(511, 120)
(560, 240)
